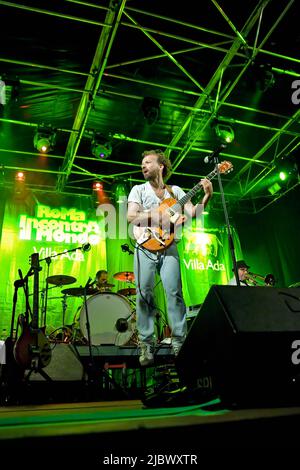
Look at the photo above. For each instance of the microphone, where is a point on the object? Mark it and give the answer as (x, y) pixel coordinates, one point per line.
(126, 248)
(210, 158)
(121, 325)
(86, 247)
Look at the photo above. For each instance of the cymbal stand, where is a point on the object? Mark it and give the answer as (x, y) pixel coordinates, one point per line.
(45, 293)
(64, 308)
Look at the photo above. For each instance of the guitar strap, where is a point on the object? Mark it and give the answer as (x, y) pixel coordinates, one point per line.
(170, 191)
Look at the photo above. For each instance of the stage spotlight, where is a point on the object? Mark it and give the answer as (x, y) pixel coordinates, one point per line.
(287, 167)
(151, 109)
(99, 196)
(44, 139)
(265, 77)
(120, 190)
(101, 146)
(285, 174)
(20, 177)
(97, 186)
(224, 132)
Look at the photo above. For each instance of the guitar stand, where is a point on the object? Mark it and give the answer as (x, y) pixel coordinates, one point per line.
(38, 371)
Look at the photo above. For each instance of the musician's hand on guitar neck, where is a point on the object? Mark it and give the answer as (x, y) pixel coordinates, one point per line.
(207, 186)
(208, 190)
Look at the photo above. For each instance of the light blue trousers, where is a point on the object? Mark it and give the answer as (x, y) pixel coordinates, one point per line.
(167, 265)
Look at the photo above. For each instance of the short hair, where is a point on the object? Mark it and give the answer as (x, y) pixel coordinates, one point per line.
(162, 159)
(98, 273)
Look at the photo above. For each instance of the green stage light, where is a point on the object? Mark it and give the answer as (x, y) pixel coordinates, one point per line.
(120, 190)
(44, 139)
(287, 167)
(101, 146)
(224, 132)
(274, 188)
(282, 176)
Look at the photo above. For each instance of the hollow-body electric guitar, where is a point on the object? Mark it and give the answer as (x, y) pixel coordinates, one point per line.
(158, 238)
(32, 348)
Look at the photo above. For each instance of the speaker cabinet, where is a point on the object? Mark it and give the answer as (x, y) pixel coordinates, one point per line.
(244, 346)
(64, 365)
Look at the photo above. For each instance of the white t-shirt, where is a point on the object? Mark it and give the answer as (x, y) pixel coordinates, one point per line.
(232, 282)
(144, 195)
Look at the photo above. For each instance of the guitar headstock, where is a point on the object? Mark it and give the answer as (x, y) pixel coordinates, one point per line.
(225, 167)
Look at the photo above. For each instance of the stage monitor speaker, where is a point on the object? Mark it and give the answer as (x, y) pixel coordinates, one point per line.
(64, 366)
(244, 347)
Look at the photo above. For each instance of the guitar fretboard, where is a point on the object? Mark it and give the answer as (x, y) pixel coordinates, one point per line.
(193, 191)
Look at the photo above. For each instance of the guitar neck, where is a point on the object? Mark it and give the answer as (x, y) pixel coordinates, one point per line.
(35, 308)
(195, 189)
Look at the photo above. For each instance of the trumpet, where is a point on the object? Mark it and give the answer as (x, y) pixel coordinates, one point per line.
(255, 279)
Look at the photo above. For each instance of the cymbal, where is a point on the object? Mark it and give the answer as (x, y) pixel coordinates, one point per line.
(124, 276)
(79, 291)
(102, 285)
(60, 280)
(128, 291)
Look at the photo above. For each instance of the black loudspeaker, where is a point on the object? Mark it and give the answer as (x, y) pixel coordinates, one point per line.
(244, 347)
(64, 366)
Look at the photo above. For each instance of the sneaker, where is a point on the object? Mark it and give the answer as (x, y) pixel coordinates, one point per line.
(146, 354)
(176, 346)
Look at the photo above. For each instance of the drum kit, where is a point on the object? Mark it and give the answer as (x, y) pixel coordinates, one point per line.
(111, 316)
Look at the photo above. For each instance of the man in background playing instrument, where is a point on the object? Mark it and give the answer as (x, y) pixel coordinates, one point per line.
(242, 269)
(142, 199)
(101, 281)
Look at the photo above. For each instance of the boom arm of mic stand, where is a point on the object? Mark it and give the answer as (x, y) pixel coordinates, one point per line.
(229, 234)
(66, 251)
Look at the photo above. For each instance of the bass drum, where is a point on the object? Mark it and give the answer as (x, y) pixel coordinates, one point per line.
(105, 312)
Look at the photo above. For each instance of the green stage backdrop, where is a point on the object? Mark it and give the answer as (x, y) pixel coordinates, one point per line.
(54, 224)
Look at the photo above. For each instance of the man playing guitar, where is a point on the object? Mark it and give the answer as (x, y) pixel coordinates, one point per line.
(155, 250)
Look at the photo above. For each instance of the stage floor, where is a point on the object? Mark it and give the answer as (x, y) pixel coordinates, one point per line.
(97, 432)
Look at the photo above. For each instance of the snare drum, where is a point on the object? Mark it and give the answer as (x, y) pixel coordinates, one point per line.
(104, 311)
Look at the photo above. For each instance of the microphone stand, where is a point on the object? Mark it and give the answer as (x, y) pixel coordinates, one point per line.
(92, 371)
(214, 158)
(84, 247)
(91, 365)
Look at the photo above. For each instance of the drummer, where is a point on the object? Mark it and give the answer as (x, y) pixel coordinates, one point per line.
(101, 279)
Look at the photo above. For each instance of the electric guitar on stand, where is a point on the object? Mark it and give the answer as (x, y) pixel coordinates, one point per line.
(159, 239)
(32, 349)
